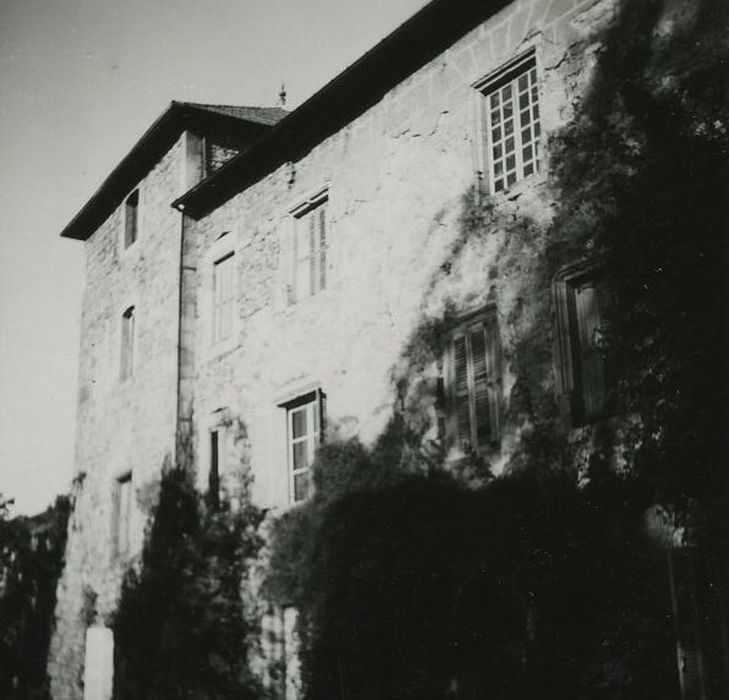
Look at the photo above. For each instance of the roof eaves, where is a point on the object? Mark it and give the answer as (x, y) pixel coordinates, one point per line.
(152, 146)
(420, 39)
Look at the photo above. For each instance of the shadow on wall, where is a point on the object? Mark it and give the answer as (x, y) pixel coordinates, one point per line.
(529, 584)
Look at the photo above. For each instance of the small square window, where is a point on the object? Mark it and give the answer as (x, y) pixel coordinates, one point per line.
(127, 344)
(581, 298)
(223, 297)
(310, 248)
(511, 125)
(304, 419)
(473, 383)
(123, 496)
(131, 218)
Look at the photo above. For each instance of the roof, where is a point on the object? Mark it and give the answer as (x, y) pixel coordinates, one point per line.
(239, 125)
(257, 115)
(416, 42)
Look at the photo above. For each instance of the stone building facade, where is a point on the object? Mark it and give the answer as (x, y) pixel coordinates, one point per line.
(251, 310)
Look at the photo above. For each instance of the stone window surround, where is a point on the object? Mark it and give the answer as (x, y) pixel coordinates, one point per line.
(482, 88)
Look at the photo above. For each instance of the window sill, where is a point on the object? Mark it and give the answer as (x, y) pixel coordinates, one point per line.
(530, 182)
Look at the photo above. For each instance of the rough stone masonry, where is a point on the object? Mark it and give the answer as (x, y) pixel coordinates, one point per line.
(395, 181)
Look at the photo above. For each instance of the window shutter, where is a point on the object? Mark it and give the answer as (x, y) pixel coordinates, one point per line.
(481, 404)
(588, 320)
(322, 247)
(462, 399)
(312, 255)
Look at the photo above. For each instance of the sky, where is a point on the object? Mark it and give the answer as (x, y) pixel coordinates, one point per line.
(80, 82)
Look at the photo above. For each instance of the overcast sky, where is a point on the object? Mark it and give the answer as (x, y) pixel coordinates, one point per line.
(80, 81)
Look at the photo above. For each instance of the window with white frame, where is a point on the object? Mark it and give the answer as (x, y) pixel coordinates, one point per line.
(304, 418)
(131, 218)
(510, 111)
(581, 296)
(126, 368)
(223, 297)
(473, 383)
(310, 248)
(123, 496)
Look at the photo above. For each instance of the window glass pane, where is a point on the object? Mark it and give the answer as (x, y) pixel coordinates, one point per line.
(298, 422)
(131, 219)
(314, 405)
(301, 455)
(301, 486)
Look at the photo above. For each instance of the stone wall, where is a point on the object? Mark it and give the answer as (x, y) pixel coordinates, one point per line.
(123, 425)
(415, 241)
(399, 179)
(401, 183)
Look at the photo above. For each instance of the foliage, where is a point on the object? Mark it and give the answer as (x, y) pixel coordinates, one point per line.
(642, 175)
(410, 585)
(31, 560)
(413, 585)
(180, 630)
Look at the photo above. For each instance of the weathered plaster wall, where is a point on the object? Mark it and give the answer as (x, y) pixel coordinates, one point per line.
(400, 257)
(124, 425)
(397, 177)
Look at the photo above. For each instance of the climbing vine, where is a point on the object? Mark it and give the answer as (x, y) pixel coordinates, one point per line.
(412, 583)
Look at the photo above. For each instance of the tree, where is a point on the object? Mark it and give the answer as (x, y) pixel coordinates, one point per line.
(180, 630)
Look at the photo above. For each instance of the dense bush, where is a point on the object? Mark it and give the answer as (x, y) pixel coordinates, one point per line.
(419, 587)
(410, 585)
(180, 630)
(31, 559)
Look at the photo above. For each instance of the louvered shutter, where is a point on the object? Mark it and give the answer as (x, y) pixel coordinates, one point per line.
(461, 396)
(481, 393)
(313, 258)
(588, 321)
(322, 247)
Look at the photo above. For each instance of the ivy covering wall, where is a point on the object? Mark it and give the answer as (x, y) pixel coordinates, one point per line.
(420, 579)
